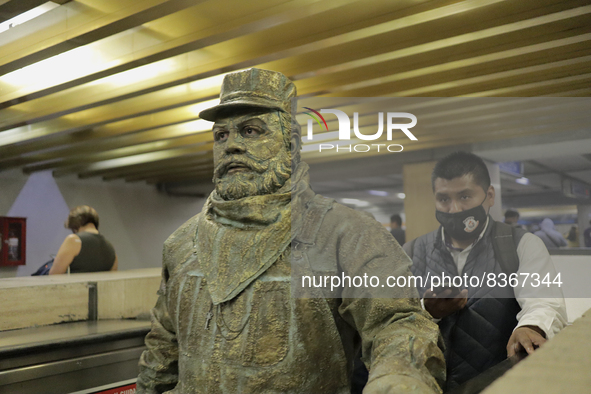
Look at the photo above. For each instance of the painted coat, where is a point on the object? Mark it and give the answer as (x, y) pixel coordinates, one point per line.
(264, 340)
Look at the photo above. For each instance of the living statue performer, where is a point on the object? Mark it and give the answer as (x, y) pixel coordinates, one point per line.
(227, 321)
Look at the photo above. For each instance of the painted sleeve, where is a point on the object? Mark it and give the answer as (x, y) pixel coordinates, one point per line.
(400, 344)
(159, 363)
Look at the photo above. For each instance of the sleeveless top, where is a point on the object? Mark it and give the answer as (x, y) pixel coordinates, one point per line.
(96, 254)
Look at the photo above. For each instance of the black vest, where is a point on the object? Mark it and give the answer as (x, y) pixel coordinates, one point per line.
(476, 336)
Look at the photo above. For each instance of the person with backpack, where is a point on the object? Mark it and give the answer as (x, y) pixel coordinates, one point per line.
(550, 236)
(482, 325)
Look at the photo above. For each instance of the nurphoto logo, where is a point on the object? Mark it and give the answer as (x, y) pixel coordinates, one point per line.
(393, 124)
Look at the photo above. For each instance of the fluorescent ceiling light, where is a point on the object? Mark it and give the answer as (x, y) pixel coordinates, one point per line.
(196, 108)
(522, 181)
(141, 158)
(27, 16)
(58, 69)
(140, 74)
(401, 196)
(95, 57)
(197, 126)
(208, 83)
(354, 201)
(378, 193)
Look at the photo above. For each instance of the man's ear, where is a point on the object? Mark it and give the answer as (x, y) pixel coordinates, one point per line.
(490, 194)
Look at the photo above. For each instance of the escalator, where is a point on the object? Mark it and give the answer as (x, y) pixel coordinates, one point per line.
(79, 357)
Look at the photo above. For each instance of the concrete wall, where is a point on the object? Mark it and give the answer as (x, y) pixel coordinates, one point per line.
(135, 217)
(575, 273)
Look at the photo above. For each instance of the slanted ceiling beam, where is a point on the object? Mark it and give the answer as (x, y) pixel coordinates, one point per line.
(175, 167)
(165, 173)
(131, 109)
(172, 166)
(428, 12)
(84, 120)
(161, 121)
(402, 70)
(440, 131)
(147, 161)
(201, 171)
(95, 146)
(343, 79)
(340, 89)
(10, 9)
(198, 175)
(169, 47)
(124, 19)
(196, 142)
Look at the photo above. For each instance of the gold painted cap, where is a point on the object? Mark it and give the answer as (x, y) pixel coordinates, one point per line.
(253, 88)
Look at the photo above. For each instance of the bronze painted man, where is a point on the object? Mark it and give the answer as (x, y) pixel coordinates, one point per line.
(227, 320)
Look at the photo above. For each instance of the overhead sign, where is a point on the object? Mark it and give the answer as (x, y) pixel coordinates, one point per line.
(512, 168)
(571, 188)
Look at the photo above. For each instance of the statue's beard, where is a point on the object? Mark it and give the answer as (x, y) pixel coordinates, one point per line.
(262, 177)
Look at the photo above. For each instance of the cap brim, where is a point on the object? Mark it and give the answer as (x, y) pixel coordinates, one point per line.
(226, 109)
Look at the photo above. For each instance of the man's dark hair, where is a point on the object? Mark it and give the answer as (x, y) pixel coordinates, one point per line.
(509, 213)
(396, 219)
(459, 164)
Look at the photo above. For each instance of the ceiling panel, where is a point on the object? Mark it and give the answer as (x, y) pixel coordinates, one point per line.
(567, 163)
(582, 175)
(10, 9)
(548, 179)
(113, 88)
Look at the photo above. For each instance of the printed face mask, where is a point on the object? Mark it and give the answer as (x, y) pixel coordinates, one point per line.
(463, 225)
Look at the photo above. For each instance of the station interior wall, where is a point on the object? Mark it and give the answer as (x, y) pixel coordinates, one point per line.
(136, 218)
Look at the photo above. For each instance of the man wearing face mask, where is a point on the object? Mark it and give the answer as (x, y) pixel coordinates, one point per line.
(483, 325)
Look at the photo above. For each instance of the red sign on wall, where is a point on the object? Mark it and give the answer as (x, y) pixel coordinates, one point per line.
(128, 389)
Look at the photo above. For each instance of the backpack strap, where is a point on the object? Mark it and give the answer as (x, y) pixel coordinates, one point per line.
(505, 241)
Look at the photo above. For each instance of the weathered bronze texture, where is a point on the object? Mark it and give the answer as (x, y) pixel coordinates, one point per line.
(253, 88)
(226, 320)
